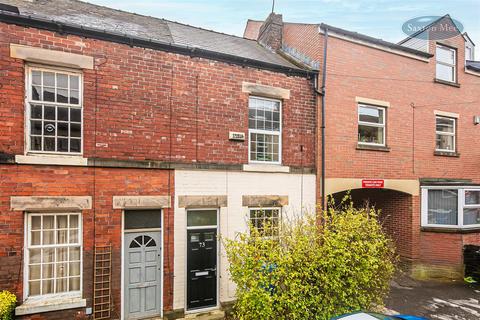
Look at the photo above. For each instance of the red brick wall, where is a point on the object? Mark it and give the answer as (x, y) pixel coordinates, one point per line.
(441, 248)
(101, 225)
(357, 70)
(252, 28)
(161, 100)
(352, 71)
(306, 38)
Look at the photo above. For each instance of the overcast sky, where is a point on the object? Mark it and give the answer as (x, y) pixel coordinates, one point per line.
(377, 18)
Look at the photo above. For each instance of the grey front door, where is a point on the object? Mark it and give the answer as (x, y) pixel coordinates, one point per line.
(142, 265)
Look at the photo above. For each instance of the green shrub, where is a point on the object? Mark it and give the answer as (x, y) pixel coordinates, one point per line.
(7, 305)
(313, 270)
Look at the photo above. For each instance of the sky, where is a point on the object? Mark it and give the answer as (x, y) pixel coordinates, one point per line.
(377, 18)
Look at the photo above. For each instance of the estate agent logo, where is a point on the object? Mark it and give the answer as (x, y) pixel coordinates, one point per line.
(438, 27)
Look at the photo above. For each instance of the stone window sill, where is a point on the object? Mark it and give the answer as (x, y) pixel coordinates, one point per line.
(448, 83)
(446, 154)
(259, 167)
(451, 230)
(44, 304)
(372, 148)
(50, 159)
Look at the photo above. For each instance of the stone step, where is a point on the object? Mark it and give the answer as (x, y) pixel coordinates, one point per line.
(209, 315)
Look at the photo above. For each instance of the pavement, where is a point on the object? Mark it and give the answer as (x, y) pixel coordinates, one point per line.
(434, 300)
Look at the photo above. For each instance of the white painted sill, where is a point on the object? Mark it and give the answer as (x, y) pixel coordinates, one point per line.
(46, 304)
(258, 167)
(50, 159)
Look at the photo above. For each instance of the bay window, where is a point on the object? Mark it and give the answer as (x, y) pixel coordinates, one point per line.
(54, 111)
(265, 130)
(371, 125)
(454, 207)
(446, 63)
(53, 255)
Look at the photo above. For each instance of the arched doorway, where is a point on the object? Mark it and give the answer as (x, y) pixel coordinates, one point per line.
(396, 213)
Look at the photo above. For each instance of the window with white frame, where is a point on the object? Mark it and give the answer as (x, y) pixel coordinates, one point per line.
(371, 125)
(54, 111)
(450, 207)
(445, 134)
(53, 254)
(266, 221)
(471, 208)
(446, 63)
(265, 130)
(469, 52)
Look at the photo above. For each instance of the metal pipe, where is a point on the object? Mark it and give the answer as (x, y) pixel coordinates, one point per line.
(323, 91)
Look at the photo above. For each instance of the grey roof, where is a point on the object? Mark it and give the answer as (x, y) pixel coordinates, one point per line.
(473, 65)
(219, 42)
(363, 37)
(84, 14)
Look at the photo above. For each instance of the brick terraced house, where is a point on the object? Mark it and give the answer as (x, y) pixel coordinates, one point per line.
(402, 131)
(127, 145)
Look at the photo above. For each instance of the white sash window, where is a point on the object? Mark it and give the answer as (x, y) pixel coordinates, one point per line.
(54, 111)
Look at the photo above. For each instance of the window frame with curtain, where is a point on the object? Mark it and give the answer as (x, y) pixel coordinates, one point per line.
(451, 207)
(71, 233)
(380, 125)
(441, 134)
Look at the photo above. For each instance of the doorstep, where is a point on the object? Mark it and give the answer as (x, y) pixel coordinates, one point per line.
(207, 315)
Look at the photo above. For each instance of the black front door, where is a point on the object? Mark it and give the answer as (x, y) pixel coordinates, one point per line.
(202, 268)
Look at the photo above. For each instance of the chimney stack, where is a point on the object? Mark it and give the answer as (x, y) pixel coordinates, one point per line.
(271, 32)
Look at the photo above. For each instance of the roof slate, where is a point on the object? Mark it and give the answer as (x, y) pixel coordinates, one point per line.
(130, 24)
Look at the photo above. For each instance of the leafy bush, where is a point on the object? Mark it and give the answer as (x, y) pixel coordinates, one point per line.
(314, 269)
(7, 305)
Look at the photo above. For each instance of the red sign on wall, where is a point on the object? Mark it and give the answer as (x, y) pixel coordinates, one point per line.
(373, 183)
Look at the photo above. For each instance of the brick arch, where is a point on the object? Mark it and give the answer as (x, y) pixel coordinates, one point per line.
(335, 185)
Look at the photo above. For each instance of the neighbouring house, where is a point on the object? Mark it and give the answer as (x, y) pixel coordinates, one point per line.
(128, 144)
(402, 131)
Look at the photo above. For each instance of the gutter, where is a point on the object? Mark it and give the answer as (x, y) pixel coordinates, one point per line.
(87, 32)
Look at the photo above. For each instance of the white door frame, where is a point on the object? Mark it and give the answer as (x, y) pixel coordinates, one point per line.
(122, 262)
(217, 228)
